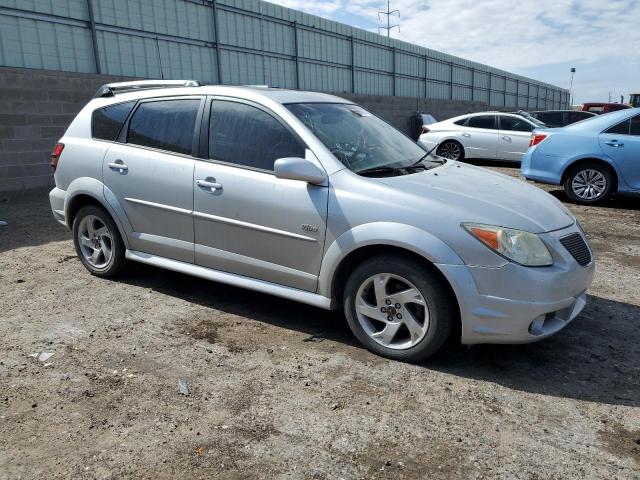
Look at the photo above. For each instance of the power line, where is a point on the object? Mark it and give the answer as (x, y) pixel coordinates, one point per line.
(388, 14)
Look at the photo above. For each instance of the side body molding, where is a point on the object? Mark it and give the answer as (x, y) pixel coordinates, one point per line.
(382, 233)
(96, 189)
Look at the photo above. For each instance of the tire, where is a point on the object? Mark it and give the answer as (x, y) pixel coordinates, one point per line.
(451, 150)
(588, 183)
(102, 253)
(414, 330)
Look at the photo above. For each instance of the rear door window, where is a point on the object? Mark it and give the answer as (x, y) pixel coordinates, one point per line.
(620, 128)
(246, 135)
(166, 125)
(483, 121)
(635, 125)
(106, 122)
(514, 124)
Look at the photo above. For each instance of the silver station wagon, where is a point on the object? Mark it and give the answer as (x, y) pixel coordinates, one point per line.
(309, 197)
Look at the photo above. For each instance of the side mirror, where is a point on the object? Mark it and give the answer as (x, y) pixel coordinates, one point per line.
(295, 168)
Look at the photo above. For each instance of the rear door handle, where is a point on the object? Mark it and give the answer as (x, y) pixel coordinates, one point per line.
(118, 165)
(614, 143)
(505, 138)
(466, 134)
(212, 186)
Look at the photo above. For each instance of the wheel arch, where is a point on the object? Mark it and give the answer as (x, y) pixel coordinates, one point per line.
(89, 191)
(364, 241)
(586, 160)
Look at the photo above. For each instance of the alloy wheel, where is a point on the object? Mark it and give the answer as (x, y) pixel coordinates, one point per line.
(589, 184)
(392, 311)
(450, 151)
(95, 241)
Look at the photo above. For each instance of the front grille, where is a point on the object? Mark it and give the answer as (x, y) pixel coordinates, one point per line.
(577, 247)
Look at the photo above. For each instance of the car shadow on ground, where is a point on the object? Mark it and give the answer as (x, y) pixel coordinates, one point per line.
(620, 202)
(29, 220)
(597, 358)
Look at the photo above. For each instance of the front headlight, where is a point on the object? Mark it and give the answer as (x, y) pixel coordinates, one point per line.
(516, 245)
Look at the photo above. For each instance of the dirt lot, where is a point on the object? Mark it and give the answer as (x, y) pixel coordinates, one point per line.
(266, 403)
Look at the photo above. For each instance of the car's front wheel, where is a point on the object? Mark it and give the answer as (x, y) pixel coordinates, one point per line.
(588, 183)
(98, 242)
(398, 308)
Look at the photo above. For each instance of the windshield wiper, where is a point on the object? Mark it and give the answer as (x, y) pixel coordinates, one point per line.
(383, 169)
(421, 159)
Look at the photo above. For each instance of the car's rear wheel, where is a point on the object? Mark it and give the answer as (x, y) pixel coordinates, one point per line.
(97, 242)
(398, 308)
(451, 150)
(588, 183)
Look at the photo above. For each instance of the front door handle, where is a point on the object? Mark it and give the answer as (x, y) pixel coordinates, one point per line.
(118, 165)
(505, 138)
(207, 185)
(614, 143)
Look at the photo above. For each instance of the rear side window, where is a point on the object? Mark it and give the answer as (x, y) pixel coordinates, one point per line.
(462, 121)
(106, 122)
(578, 116)
(620, 128)
(167, 125)
(245, 135)
(483, 121)
(514, 124)
(635, 125)
(552, 118)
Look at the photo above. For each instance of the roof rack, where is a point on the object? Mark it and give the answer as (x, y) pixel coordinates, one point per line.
(110, 89)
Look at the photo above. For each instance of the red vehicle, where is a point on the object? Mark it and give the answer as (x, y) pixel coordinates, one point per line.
(596, 107)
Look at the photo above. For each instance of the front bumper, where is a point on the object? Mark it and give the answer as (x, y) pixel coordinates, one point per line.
(516, 304)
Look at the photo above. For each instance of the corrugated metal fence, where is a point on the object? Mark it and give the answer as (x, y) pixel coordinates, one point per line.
(247, 42)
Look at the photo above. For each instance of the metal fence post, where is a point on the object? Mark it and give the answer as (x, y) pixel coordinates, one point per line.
(393, 71)
(216, 39)
(473, 82)
(94, 39)
(353, 66)
(450, 80)
(426, 76)
(295, 52)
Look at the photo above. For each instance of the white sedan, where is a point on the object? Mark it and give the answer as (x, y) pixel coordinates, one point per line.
(490, 135)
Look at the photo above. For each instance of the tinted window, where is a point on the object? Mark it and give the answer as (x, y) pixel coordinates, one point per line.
(246, 135)
(167, 125)
(635, 125)
(514, 124)
(106, 122)
(482, 121)
(578, 116)
(620, 129)
(552, 118)
(462, 121)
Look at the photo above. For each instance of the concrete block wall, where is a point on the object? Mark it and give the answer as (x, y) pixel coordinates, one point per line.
(36, 106)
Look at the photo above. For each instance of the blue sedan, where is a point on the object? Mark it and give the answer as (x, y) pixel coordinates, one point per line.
(591, 159)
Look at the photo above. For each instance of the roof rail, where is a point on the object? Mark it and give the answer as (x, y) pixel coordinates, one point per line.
(110, 89)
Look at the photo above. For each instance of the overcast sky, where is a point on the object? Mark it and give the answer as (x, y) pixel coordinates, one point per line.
(541, 39)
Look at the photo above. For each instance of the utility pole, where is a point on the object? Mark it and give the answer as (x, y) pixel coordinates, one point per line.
(573, 72)
(389, 13)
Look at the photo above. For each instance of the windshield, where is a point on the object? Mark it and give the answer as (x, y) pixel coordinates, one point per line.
(358, 139)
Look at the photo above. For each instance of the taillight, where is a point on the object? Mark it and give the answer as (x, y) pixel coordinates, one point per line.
(425, 130)
(55, 156)
(536, 138)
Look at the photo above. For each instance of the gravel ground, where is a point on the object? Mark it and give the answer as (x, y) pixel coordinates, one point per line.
(266, 403)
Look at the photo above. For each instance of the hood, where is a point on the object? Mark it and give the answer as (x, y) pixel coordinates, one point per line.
(475, 194)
